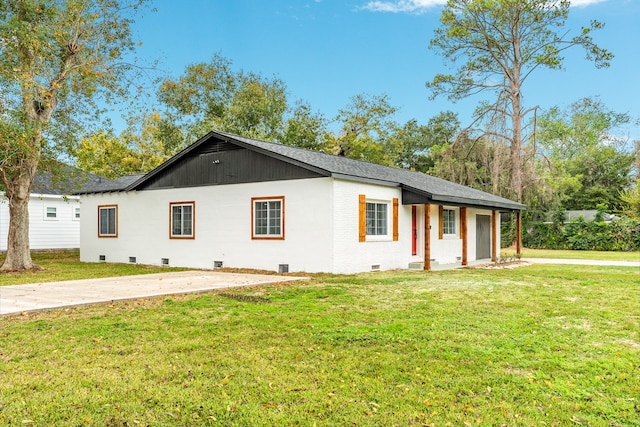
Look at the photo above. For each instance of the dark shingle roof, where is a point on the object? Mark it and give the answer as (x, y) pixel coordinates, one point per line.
(439, 190)
(66, 180)
(435, 189)
(107, 185)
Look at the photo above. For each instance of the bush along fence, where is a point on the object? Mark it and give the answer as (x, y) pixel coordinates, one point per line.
(622, 234)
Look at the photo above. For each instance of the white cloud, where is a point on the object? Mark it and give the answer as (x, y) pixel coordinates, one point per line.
(410, 6)
(585, 2)
(421, 6)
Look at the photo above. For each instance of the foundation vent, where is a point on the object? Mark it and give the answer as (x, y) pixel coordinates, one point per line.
(283, 268)
(217, 264)
(132, 260)
(102, 258)
(164, 262)
(375, 267)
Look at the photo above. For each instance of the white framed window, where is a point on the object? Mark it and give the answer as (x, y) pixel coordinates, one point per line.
(50, 213)
(377, 219)
(449, 226)
(182, 220)
(108, 221)
(267, 217)
(76, 213)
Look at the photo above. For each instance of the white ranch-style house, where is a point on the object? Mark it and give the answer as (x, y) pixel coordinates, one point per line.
(230, 201)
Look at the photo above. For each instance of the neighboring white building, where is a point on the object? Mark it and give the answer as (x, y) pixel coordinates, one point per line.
(54, 214)
(54, 222)
(229, 201)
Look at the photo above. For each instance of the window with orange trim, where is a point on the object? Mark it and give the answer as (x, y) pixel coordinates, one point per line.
(267, 217)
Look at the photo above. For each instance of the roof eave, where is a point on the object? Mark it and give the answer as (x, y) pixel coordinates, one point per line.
(356, 178)
(479, 203)
(463, 201)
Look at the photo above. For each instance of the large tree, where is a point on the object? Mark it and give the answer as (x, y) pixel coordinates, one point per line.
(211, 95)
(138, 149)
(56, 57)
(413, 145)
(365, 124)
(495, 46)
(581, 157)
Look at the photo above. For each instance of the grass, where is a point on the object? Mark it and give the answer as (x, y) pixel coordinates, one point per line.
(538, 345)
(64, 265)
(569, 254)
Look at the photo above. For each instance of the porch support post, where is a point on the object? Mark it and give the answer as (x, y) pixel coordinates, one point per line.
(427, 237)
(464, 234)
(518, 234)
(494, 236)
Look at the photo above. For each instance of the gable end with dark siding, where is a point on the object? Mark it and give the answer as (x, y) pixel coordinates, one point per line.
(222, 162)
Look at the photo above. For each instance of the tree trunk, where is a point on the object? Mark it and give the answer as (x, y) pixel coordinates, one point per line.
(516, 165)
(516, 141)
(18, 191)
(515, 84)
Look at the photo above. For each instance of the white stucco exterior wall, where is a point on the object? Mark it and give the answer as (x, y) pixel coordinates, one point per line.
(350, 255)
(61, 232)
(321, 228)
(222, 227)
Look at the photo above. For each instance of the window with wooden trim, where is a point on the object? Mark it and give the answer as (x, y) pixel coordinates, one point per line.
(108, 221)
(449, 222)
(182, 220)
(267, 217)
(374, 220)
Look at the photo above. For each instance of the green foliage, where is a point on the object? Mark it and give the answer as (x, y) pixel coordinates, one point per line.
(256, 109)
(507, 233)
(364, 124)
(631, 201)
(214, 96)
(416, 146)
(200, 96)
(305, 128)
(619, 235)
(583, 163)
(138, 149)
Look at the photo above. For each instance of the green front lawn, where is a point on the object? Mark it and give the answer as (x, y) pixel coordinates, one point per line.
(568, 254)
(538, 345)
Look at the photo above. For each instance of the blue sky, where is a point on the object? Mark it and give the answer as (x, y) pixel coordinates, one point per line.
(329, 50)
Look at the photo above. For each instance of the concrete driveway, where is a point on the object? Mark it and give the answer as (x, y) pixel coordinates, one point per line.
(17, 299)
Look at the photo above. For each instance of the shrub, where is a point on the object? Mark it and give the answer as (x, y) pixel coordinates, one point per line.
(507, 233)
(619, 235)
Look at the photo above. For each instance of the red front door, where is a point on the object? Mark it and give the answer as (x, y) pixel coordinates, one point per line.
(414, 230)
